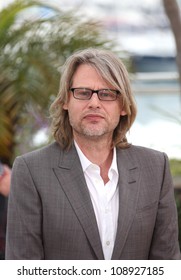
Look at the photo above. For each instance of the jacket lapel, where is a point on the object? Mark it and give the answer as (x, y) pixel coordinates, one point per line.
(72, 181)
(128, 197)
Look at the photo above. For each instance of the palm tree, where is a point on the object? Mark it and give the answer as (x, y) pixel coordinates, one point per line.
(32, 50)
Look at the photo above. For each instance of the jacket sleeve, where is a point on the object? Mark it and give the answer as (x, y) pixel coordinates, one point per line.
(165, 243)
(24, 235)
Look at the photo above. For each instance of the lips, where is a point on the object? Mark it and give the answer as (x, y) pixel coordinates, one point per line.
(93, 117)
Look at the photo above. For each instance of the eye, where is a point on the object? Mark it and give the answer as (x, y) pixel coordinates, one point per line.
(82, 93)
(104, 93)
(107, 94)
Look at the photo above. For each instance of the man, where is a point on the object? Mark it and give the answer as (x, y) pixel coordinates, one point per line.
(5, 177)
(91, 195)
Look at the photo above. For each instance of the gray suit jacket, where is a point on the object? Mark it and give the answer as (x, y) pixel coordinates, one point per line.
(51, 216)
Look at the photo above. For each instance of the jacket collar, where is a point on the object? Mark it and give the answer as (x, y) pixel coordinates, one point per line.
(129, 186)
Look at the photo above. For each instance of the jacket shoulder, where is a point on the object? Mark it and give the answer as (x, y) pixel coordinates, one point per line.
(145, 156)
(144, 151)
(47, 154)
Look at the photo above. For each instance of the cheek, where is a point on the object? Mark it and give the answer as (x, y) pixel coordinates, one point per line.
(115, 114)
(117, 111)
(74, 111)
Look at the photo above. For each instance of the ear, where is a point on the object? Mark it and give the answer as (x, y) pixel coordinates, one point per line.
(123, 112)
(65, 106)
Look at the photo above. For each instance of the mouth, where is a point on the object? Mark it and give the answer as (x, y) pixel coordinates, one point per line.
(93, 117)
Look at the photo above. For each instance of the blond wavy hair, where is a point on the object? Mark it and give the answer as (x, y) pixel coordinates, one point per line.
(113, 71)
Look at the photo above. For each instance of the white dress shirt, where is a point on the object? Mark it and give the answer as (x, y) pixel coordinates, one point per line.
(105, 199)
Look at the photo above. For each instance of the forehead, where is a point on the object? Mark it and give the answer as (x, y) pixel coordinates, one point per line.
(87, 76)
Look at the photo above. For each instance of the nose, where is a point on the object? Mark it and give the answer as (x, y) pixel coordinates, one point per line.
(94, 102)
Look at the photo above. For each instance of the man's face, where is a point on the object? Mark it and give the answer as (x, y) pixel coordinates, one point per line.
(92, 118)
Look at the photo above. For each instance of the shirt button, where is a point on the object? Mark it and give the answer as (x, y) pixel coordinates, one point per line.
(107, 243)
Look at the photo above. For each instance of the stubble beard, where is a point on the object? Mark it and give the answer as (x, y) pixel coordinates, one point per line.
(92, 131)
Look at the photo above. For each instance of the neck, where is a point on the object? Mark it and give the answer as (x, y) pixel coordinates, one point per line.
(99, 153)
(96, 151)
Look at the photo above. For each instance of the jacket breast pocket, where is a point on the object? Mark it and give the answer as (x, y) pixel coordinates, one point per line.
(142, 228)
(147, 209)
(144, 220)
